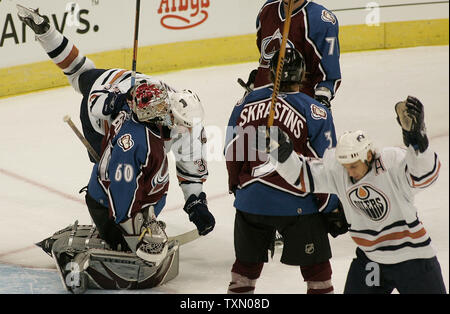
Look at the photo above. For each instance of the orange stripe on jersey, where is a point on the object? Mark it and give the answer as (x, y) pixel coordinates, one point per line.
(93, 97)
(69, 59)
(429, 180)
(117, 76)
(391, 236)
(180, 179)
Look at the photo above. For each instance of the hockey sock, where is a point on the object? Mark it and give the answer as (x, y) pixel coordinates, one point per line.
(65, 55)
(244, 276)
(318, 278)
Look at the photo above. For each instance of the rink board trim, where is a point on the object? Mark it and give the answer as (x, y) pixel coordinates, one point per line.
(220, 51)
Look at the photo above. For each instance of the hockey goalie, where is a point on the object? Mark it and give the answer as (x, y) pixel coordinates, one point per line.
(85, 261)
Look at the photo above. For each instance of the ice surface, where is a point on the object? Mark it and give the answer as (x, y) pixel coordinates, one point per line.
(43, 166)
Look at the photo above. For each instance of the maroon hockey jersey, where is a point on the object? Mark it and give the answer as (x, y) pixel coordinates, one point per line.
(313, 32)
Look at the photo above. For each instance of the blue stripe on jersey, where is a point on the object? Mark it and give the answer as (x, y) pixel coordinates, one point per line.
(392, 225)
(401, 246)
(56, 52)
(436, 162)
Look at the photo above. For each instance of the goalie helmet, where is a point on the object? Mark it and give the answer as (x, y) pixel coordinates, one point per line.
(186, 108)
(293, 66)
(150, 102)
(353, 146)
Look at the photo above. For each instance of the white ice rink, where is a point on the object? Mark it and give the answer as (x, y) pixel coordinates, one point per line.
(43, 165)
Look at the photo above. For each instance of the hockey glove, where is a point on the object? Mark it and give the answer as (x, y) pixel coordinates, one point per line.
(114, 102)
(323, 95)
(335, 221)
(277, 143)
(251, 79)
(410, 116)
(197, 209)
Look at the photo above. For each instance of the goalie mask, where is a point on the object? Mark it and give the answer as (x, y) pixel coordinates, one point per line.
(150, 103)
(186, 108)
(353, 146)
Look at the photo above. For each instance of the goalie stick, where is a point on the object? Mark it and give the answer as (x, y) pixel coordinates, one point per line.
(186, 237)
(83, 140)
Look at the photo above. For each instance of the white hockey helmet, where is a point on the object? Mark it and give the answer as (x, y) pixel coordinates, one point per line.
(353, 146)
(186, 108)
(151, 102)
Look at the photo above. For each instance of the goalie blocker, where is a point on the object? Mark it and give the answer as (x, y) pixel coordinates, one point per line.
(84, 261)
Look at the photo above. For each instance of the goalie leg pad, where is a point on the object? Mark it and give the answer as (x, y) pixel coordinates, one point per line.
(84, 261)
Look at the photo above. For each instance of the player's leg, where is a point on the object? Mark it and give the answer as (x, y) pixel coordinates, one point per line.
(61, 50)
(107, 228)
(252, 239)
(419, 276)
(362, 280)
(306, 244)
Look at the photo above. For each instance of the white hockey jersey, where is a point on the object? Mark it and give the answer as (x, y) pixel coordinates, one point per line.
(189, 148)
(379, 207)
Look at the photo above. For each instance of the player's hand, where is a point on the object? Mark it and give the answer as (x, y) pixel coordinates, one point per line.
(197, 209)
(323, 95)
(114, 102)
(335, 221)
(251, 79)
(411, 117)
(274, 141)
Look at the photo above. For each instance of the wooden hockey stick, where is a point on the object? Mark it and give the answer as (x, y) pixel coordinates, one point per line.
(280, 63)
(135, 46)
(90, 149)
(186, 237)
(242, 83)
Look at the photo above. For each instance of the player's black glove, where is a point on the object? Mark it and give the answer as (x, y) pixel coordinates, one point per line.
(275, 142)
(410, 116)
(323, 95)
(251, 79)
(114, 102)
(250, 85)
(335, 221)
(197, 209)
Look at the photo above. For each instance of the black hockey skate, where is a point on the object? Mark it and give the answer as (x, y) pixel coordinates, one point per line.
(38, 23)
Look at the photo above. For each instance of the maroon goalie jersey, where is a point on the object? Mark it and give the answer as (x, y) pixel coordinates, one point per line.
(313, 32)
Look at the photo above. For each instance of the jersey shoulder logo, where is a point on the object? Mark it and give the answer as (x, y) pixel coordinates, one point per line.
(318, 113)
(370, 201)
(327, 16)
(125, 142)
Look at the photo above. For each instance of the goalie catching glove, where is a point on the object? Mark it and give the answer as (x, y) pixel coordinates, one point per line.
(410, 116)
(197, 209)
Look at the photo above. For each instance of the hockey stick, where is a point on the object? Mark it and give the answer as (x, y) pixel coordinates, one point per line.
(82, 138)
(186, 237)
(280, 63)
(242, 83)
(135, 46)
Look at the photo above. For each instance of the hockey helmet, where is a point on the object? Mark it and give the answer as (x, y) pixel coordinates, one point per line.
(293, 66)
(353, 146)
(150, 102)
(186, 108)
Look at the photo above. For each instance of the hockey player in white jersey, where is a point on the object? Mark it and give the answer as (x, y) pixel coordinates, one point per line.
(108, 91)
(376, 188)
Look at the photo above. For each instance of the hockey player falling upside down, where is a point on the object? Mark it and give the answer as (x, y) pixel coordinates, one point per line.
(377, 191)
(131, 180)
